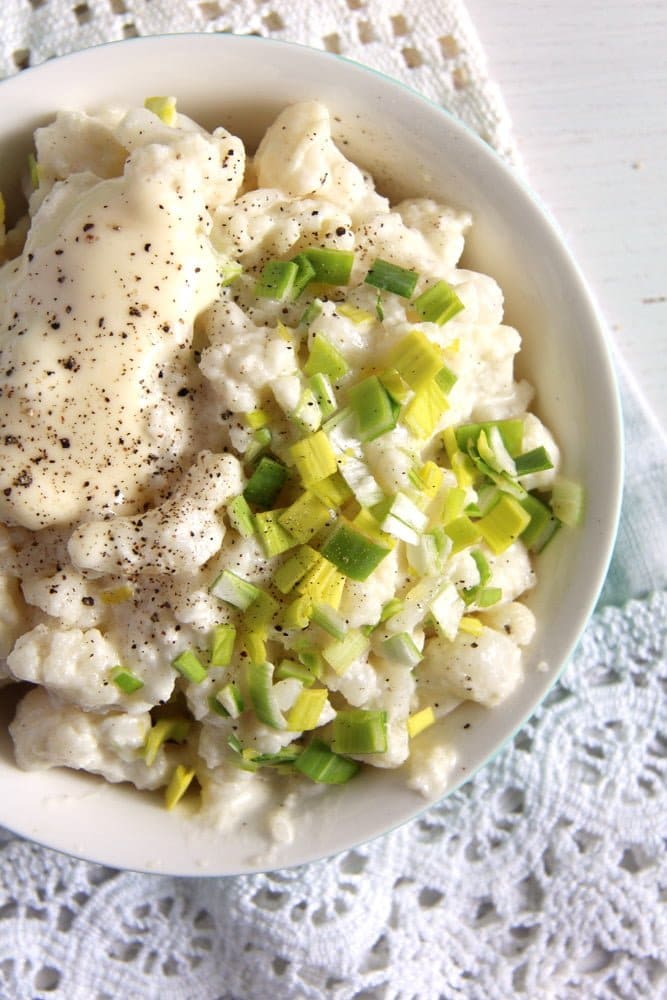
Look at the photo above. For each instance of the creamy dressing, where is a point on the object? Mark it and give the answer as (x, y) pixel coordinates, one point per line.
(100, 304)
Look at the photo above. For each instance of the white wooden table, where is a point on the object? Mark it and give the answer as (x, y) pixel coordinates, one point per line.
(586, 84)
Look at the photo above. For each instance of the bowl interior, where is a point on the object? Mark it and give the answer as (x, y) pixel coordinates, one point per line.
(412, 148)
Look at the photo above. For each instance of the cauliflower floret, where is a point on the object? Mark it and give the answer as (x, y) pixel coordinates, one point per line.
(75, 666)
(47, 734)
(484, 668)
(177, 537)
(395, 689)
(65, 595)
(264, 224)
(242, 360)
(298, 155)
(511, 571)
(13, 614)
(514, 619)
(430, 767)
(362, 603)
(442, 227)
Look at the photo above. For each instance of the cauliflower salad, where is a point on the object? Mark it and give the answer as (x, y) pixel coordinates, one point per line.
(269, 490)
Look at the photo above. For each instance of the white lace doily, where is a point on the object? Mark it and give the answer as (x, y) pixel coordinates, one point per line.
(541, 878)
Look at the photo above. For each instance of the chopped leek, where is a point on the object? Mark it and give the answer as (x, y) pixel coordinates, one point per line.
(307, 414)
(259, 444)
(305, 517)
(297, 614)
(241, 517)
(455, 499)
(463, 532)
(323, 583)
(446, 379)
(33, 168)
(374, 409)
(117, 595)
(174, 730)
(296, 670)
(417, 359)
(272, 534)
(360, 730)
(333, 491)
(353, 313)
(277, 280)
(229, 698)
(325, 359)
(125, 680)
(163, 107)
(331, 267)
(259, 679)
(438, 304)
(234, 590)
(311, 312)
(222, 645)
(353, 553)
(306, 711)
(423, 412)
(330, 620)
(304, 274)
(256, 419)
(470, 625)
(392, 278)
(402, 649)
(190, 666)
(420, 721)
(395, 384)
(567, 501)
(266, 482)
(536, 460)
(178, 785)
(511, 431)
(503, 524)
(314, 458)
(342, 653)
(446, 609)
(322, 389)
(295, 568)
(321, 764)
(542, 527)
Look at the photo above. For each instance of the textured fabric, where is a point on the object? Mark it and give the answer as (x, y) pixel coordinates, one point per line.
(540, 878)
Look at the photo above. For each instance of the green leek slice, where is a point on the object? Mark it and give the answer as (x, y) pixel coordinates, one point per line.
(125, 680)
(332, 267)
(501, 527)
(511, 431)
(392, 278)
(319, 763)
(342, 653)
(305, 517)
(304, 275)
(295, 568)
(178, 785)
(438, 304)
(353, 553)
(190, 666)
(567, 501)
(163, 107)
(265, 483)
(306, 711)
(272, 534)
(374, 409)
(360, 730)
(259, 679)
(277, 280)
(325, 359)
(420, 721)
(402, 649)
(417, 359)
(222, 645)
(174, 730)
(241, 517)
(314, 458)
(536, 460)
(234, 590)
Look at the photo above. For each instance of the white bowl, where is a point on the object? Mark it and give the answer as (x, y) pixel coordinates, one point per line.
(412, 147)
